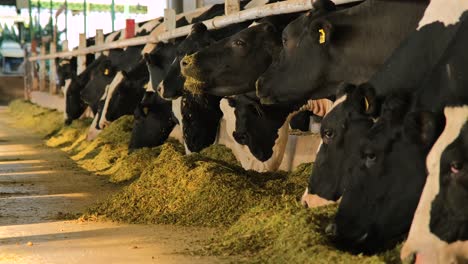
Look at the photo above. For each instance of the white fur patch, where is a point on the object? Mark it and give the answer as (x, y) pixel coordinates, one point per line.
(445, 11)
(337, 102)
(177, 110)
(420, 239)
(65, 90)
(108, 96)
(93, 132)
(242, 152)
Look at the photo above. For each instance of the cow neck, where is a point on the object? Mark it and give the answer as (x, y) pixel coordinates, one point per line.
(108, 96)
(420, 239)
(379, 38)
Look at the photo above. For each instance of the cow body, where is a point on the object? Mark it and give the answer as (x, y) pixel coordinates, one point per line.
(323, 49)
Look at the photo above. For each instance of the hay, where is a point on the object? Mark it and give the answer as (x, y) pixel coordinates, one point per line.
(193, 85)
(258, 212)
(44, 121)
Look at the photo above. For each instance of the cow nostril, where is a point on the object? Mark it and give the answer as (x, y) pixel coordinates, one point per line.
(184, 63)
(331, 229)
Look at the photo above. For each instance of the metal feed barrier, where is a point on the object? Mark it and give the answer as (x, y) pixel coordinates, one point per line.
(299, 147)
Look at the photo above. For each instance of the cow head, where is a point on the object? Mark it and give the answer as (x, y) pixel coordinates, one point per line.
(74, 105)
(99, 77)
(158, 62)
(66, 69)
(346, 121)
(383, 190)
(153, 123)
(232, 65)
(256, 125)
(173, 84)
(123, 95)
(449, 219)
(304, 60)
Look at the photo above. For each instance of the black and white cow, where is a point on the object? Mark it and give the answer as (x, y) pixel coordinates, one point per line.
(220, 69)
(438, 232)
(129, 89)
(385, 176)
(322, 49)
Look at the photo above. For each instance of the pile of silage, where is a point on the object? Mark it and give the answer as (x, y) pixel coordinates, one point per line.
(43, 120)
(258, 212)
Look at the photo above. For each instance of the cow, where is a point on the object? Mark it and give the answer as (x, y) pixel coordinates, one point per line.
(326, 180)
(433, 240)
(157, 61)
(232, 65)
(436, 83)
(386, 176)
(324, 48)
(66, 70)
(74, 105)
(154, 121)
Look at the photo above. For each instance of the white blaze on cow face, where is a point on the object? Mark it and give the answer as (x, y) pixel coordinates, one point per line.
(177, 110)
(93, 132)
(242, 152)
(108, 96)
(445, 11)
(420, 239)
(65, 90)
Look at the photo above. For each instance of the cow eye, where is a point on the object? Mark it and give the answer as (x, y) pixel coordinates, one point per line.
(455, 167)
(239, 43)
(328, 133)
(370, 156)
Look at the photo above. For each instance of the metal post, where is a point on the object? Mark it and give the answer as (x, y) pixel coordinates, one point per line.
(39, 20)
(31, 31)
(42, 70)
(53, 70)
(84, 16)
(66, 19)
(99, 41)
(113, 14)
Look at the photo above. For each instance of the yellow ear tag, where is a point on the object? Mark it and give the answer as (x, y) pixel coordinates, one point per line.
(366, 103)
(106, 72)
(322, 36)
(146, 86)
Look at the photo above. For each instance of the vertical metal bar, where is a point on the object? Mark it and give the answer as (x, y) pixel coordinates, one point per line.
(66, 19)
(39, 19)
(113, 14)
(53, 70)
(31, 31)
(42, 70)
(231, 6)
(84, 16)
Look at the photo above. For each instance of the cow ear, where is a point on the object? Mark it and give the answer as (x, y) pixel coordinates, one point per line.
(322, 31)
(362, 98)
(268, 27)
(323, 6)
(369, 100)
(422, 127)
(198, 28)
(125, 74)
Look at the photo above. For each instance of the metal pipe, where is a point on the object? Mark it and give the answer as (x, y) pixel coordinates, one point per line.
(84, 16)
(113, 14)
(277, 8)
(66, 19)
(31, 31)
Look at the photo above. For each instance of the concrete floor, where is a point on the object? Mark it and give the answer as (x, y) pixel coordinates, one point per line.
(39, 185)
